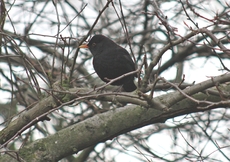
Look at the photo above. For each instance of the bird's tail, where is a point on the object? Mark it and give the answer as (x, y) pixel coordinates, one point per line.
(129, 86)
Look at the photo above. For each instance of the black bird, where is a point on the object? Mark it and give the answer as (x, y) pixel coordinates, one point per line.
(111, 61)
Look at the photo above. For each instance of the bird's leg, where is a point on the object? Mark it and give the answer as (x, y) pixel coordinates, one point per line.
(119, 89)
(100, 89)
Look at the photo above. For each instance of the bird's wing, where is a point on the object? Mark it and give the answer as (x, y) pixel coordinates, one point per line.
(124, 57)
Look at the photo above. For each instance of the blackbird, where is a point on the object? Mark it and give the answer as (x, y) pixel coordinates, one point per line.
(111, 61)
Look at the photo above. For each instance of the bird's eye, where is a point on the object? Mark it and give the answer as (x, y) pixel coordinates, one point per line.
(94, 44)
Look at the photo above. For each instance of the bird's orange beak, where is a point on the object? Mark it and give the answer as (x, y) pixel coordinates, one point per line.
(83, 46)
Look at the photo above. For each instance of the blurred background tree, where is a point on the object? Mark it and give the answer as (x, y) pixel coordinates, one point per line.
(55, 108)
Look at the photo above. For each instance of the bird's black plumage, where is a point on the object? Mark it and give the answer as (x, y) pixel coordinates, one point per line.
(111, 61)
